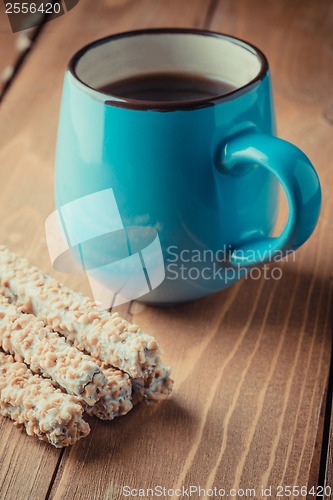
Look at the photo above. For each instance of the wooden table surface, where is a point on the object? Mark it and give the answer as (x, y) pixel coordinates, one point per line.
(253, 394)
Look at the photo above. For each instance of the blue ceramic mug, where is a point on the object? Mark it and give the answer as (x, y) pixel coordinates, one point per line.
(202, 174)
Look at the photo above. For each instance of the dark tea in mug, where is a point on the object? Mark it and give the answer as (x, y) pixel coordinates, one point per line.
(167, 87)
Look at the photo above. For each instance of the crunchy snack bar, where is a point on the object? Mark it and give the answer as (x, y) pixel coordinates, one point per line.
(29, 340)
(107, 337)
(118, 398)
(32, 401)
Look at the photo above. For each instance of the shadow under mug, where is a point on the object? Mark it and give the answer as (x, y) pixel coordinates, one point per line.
(200, 178)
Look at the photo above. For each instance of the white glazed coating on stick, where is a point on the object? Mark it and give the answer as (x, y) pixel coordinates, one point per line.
(32, 401)
(29, 340)
(118, 398)
(106, 337)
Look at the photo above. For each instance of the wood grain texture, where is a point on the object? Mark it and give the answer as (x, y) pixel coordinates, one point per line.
(13, 46)
(27, 143)
(249, 415)
(8, 52)
(251, 363)
(26, 464)
(300, 83)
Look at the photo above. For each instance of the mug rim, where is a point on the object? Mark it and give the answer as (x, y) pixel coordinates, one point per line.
(191, 104)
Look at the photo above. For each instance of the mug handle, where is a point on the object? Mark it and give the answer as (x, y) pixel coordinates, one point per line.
(299, 180)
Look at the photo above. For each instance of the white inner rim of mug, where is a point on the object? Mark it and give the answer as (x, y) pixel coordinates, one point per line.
(216, 57)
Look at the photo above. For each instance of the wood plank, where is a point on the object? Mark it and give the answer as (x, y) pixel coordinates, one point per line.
(300, 84)
(13, 46)
(8, 52)
(235, 416)
(26, 464)
(257, 422)
(250, 364)
(300, 57)
(27, 142)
